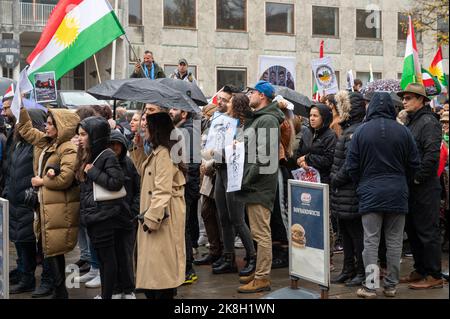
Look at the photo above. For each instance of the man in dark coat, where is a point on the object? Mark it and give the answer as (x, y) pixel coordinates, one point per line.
(148, 69)
(344, 201)
(381, 159)
(422, 222)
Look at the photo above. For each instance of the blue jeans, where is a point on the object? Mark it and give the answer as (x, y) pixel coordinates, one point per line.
(26, 261)
(83, 243)
(95, 263)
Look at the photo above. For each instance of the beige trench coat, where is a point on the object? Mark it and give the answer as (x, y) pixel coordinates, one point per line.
(161, 255)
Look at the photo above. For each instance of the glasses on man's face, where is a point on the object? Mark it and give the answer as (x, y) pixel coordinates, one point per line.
(407, 98)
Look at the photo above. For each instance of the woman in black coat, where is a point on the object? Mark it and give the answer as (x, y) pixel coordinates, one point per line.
(344, 200)
(97, 163)
(321, 152)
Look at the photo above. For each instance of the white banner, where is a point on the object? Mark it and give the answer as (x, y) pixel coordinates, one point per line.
(324, 75)
(235, 155)
(278, 70)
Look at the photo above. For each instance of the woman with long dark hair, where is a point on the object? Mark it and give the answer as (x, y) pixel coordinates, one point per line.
(96, 163)
(161, 259)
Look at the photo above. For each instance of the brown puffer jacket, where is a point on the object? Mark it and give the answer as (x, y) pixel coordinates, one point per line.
(59, 198)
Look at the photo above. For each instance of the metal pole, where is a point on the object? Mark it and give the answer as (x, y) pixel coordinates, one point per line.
(114, 109)
(98, 71)
(113, 57)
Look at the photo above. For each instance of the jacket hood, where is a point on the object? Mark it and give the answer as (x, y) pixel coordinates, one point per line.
(272, 109)
(66, 123)
(116, 136)
(38, 118)
(327, 117)
(99, 132)
(381, 106)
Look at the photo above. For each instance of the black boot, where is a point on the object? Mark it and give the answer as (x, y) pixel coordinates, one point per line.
(44, 290)
(356, 281)
(249, 268)
(57, 265)
(342, 277)
(218, 262)
(228, 265)
(26, 284)
(14, 277)
(206, 260)
(280, 257)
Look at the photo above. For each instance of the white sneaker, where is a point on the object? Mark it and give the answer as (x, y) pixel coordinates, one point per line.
(98, 297)
(96, 282)
(129, 296)
(116, 296)
(88, 276)
(203, 240)
(238, 243)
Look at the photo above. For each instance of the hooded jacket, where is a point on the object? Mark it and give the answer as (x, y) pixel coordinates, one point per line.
(18, 176)
(59, 197)
(260, 178)
(131, 175)
(344, 201)
(320, 153)
(381, 159)
(106, 172)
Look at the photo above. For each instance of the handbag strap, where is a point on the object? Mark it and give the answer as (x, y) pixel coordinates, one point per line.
(99, 155)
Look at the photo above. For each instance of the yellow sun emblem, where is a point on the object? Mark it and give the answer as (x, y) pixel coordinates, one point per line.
(67, 32)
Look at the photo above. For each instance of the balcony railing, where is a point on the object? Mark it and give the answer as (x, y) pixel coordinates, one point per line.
(35, 14)
(6, 12)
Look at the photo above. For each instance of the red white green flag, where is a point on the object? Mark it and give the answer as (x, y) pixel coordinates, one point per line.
(75, 31)
(316, 94)
(412, 72)
(437, 70)
(430, 82)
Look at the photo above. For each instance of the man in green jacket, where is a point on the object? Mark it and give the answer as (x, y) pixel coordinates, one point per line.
(148, 69)
(259, 182)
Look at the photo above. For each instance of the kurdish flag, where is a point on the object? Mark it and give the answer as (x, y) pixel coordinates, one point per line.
(75, 31)
(437, 70)
(431, 83)
(412, 72)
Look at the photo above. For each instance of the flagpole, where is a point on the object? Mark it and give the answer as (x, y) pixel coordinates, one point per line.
(98, 71)
(113, 55)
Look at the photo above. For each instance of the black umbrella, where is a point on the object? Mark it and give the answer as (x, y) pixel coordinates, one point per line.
(188, 88)
(301, 102)
(146, 91)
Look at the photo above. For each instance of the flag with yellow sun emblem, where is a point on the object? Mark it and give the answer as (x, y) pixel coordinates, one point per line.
(75, 31)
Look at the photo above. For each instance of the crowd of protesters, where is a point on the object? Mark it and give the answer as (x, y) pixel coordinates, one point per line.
(386, 171)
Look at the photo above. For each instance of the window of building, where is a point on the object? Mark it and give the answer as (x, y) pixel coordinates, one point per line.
(135, 12)
(232, 15)
(402, 28)
(180, 14)
(170, 68)
(233, 76)
(325, 21)
(365, 76)
(74, 79)
(368, 24)
(280, 18)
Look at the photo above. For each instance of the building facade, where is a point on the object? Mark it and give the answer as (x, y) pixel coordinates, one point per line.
(223, 39)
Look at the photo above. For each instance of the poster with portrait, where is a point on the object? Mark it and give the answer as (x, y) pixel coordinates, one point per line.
(221, 132)
(278, 70)
(235, 155)
(309, 251)
(325, 76)
(45, 87)
(4, 249)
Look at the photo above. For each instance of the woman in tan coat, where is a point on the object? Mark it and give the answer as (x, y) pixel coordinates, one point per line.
(59, 196)
(161, 259)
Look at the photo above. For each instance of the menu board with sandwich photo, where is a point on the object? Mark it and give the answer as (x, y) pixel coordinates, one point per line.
(309, 256)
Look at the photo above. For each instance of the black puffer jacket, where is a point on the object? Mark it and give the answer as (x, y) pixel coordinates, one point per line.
(192, 188)
(106, 173)
(18, 174)
(321, 152)
(132, 178)
(344, 200)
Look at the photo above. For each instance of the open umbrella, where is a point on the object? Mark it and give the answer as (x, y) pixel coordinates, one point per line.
(146, 91)
(188, 88)
(385, 85)
(301, 102)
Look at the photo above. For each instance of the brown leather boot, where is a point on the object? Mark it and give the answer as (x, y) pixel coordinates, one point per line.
(256, 285)
(429, 282)
(246, 279)
(414, 276)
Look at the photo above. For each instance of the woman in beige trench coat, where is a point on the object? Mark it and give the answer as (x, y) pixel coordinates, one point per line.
(161, 257)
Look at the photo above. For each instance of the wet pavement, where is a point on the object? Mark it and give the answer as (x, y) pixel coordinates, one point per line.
(210, 286)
